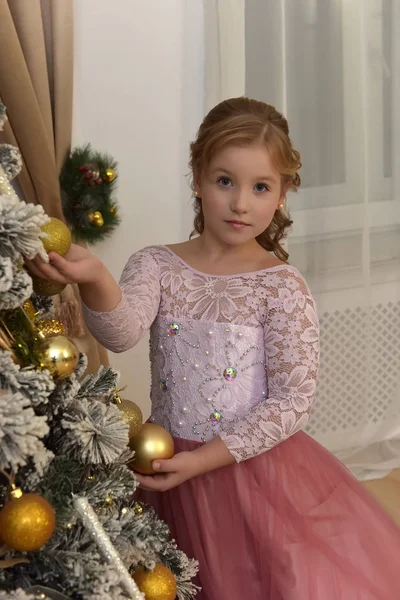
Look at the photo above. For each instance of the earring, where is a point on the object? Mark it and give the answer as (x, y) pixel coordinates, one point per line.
(281, 205)
(196, 194)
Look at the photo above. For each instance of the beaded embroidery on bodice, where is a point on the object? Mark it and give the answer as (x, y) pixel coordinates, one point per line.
(235, 356)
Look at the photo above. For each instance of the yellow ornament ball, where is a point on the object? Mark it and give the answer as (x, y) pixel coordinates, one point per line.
(58, 355)
(109, 175)
(151, 443)
(27, 523)
(96, 218)
(131, 413)
(43, 287)
(59, 236)
(159, 584)
(50, 327)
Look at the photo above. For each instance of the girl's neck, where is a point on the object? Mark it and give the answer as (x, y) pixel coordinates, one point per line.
(217, 259)
(215, 252)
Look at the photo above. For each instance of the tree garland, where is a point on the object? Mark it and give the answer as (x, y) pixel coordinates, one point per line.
(88, 180)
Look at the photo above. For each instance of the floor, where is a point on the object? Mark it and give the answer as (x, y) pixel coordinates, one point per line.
(387, 492)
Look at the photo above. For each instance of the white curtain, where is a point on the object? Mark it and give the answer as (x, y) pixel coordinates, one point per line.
(333, 68)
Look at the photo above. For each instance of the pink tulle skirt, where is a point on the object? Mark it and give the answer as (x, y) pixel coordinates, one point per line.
(290, 524)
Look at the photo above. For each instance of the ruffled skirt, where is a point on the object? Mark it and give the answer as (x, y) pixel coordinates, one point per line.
(290, 524)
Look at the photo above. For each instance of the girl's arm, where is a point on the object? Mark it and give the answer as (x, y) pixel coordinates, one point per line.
(135, 302)
(118, 316)
(291, 335)
(292, 354)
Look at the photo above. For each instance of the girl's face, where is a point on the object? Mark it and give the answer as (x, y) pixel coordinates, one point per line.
(240, 191)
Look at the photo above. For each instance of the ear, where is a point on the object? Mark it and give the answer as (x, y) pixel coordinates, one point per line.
(196, 186)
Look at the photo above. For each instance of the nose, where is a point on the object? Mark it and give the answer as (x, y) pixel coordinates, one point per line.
(239, 201)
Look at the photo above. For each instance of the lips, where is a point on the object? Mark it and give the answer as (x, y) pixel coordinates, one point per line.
(238, 225)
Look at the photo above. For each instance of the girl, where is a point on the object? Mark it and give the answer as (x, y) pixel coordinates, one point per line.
(268, 512)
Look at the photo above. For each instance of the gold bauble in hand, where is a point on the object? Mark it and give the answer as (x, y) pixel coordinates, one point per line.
(43, 287)
(151, 443)
(27, 523)
(96, 218)
(131, 413)
(159, 584)
(49, 327)
(109, 175)
(59, 237)
(57, 354)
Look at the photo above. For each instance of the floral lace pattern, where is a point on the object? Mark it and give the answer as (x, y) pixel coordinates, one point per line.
(161, 292)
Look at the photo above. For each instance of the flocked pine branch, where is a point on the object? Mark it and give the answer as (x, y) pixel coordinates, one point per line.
(10, 160)
(6, 274)
(19, 291)
(18, 594)
(95, 433)
(21, 431)
(20, 232)
(3, 115)
(31, 383)
(101, 383)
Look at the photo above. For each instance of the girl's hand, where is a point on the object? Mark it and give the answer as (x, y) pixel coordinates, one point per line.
(77, 266)
(172, 472)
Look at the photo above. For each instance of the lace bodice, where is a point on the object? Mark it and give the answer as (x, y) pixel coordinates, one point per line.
(234, 356)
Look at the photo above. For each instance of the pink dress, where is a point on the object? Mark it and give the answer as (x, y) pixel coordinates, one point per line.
(237, 356)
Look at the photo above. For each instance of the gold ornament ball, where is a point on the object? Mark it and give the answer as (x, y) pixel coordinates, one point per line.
(109, 175)
(43, 287)
(131, 413)
(151, 443)
(59, 239)
(159, 584)
(138, 509)
(96, 218)
(114, 211)
(27, 523)
(57, 354)
(49, 327)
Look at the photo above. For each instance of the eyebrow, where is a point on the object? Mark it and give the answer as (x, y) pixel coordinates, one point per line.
(263, 178)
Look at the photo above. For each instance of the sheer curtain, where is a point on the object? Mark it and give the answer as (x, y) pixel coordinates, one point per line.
(333, 68)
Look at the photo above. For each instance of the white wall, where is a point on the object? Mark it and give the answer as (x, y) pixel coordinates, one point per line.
(139, 96)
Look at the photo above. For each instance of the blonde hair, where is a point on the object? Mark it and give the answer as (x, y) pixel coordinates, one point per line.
(243, 121)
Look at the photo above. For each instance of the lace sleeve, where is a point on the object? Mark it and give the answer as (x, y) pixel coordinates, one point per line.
(124, 327)
(292, 355)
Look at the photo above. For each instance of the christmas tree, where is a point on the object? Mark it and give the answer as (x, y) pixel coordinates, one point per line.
(69, 525)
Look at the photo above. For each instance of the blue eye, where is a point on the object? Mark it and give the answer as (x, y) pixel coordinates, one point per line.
(224, 181)
(261, 187)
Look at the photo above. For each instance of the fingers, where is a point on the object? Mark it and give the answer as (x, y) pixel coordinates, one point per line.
(164, 466)
(155, 483)
(33, 269)
(59, 262)
(45, 271)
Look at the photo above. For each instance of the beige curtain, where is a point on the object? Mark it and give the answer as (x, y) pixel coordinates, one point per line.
(224, 50)
(36, 68)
